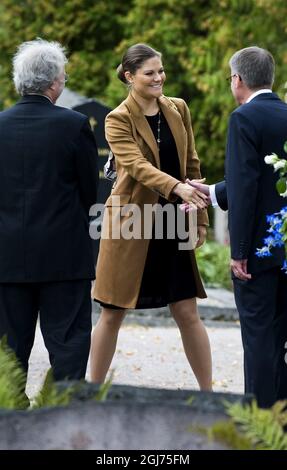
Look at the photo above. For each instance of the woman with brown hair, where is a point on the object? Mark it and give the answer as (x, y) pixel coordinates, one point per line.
(151, 138)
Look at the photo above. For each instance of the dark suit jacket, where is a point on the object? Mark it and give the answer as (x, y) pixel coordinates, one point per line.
(48, 181)
(221, 195)
(256, 129)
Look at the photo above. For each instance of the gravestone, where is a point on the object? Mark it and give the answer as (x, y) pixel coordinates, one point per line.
(131, 418)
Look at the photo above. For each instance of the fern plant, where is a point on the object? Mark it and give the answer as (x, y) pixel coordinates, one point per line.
(252, 428)
(104, 389)
(12, 380)
(50, 395)
(264, 428)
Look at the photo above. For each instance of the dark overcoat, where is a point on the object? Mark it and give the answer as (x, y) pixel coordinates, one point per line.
(48, 181)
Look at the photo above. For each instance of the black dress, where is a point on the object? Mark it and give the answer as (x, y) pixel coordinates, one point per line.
(168, 275)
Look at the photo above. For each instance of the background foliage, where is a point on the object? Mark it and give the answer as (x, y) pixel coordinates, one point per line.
(213, 263)
(196, 37)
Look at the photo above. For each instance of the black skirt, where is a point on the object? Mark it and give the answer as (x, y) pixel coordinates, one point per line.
(168, 274)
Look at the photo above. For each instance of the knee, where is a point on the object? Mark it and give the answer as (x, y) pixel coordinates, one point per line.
(112, 319)
(186, 316)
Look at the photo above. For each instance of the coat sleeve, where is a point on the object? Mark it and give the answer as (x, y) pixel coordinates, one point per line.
(129, 156)
(87, 166)
(242, 176)
(221, 195)
(193, 163)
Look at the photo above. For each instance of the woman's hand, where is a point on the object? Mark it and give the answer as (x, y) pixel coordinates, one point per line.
(201, 233)
(192, 196)
(198, 184)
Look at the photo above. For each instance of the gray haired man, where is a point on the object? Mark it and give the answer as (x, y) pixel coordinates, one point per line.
(48, 181)
(256, 128)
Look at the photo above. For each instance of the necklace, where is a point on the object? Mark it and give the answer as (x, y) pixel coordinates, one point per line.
(158, 130)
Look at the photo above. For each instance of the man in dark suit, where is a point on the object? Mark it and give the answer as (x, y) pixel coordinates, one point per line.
(48, 181)
(256, 128)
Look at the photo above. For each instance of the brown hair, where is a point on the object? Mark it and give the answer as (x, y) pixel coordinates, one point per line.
(133, 59)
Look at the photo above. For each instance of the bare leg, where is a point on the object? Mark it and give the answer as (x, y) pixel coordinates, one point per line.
(195, 340)
(104, 341)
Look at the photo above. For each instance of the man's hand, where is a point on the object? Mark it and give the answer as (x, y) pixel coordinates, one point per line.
(198, 184)
(191, 196)
(201, 233)
(239, 269)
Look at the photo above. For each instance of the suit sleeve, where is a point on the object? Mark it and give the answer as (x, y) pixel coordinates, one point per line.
(193, 163)
(221, 195)
(242, 177)
(87, 166)
(129, 156)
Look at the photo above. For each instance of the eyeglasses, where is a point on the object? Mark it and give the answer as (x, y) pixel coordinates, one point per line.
(229, 79)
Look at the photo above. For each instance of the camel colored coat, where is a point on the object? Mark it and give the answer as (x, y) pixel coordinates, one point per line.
(139, 181)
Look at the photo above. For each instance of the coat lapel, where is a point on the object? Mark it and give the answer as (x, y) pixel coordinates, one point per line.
(177, 128)
(174, 120)
(143, 127)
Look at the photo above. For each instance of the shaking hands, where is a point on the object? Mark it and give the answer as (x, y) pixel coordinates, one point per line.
(200, 198)
(193, 197)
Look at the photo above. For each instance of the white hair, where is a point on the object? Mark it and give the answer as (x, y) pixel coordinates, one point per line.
(36, 65)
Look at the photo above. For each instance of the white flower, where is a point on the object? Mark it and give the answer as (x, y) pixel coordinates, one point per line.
(271, 159)
(279, 164)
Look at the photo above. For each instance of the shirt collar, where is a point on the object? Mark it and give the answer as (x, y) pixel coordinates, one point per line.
(258, 92)
(40, 94)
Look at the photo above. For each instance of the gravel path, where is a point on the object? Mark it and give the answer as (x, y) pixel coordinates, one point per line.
(152, 356)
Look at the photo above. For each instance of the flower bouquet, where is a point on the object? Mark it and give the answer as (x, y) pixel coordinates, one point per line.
(277, 222)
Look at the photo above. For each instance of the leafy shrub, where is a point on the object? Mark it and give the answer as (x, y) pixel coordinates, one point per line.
(213, 263)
